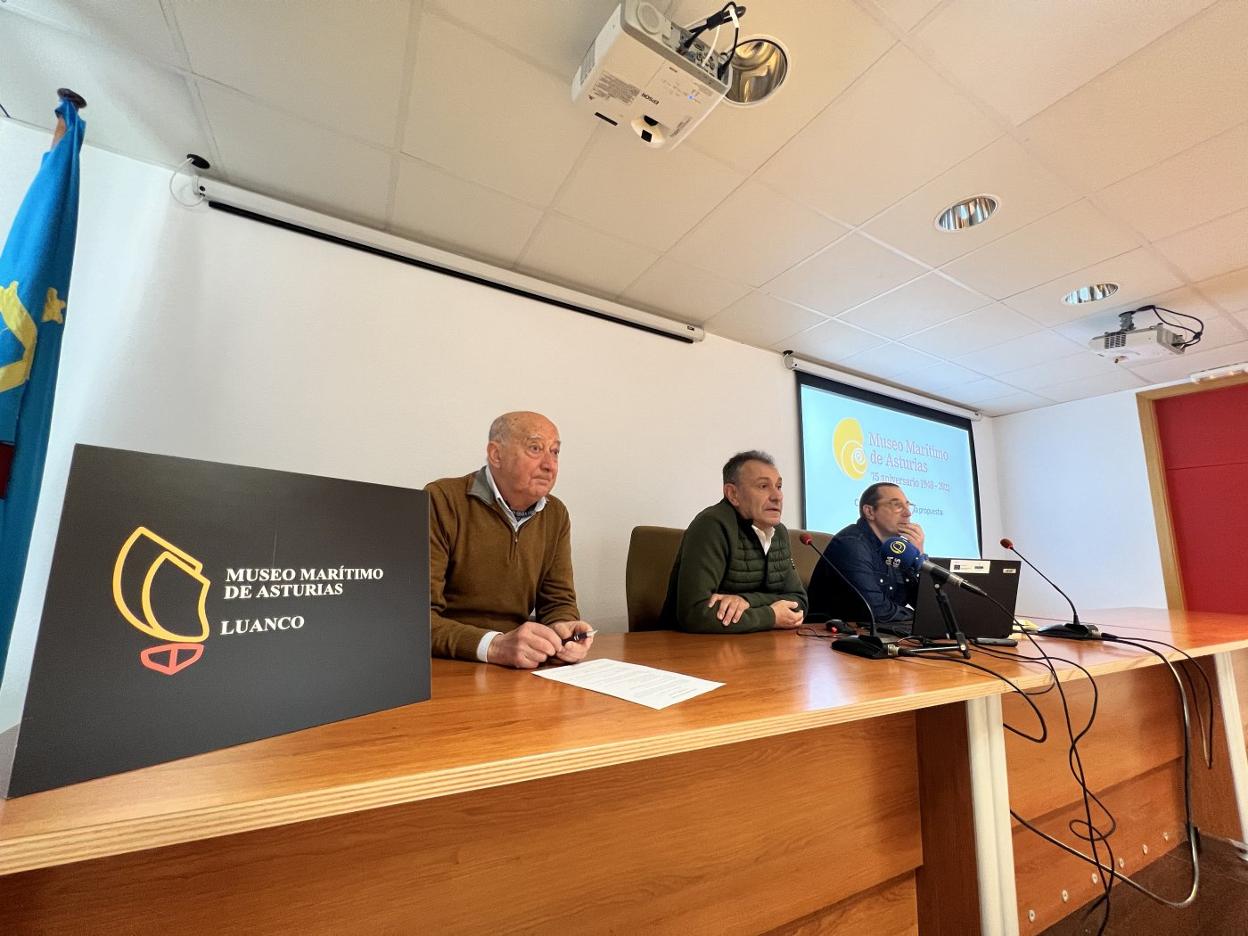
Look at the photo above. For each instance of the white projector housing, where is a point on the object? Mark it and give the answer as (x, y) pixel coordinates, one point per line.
(634, 75)
(1138, 344)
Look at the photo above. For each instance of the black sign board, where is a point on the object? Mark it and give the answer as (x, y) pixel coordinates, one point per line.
(193, 605)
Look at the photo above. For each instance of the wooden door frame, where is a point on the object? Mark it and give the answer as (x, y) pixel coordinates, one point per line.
(1147, 400)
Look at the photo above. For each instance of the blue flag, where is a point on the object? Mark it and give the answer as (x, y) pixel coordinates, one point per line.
(34, 284)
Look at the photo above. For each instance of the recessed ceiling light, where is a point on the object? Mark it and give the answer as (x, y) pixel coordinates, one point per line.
(758, 69)
(1093, 293)
(967, 213)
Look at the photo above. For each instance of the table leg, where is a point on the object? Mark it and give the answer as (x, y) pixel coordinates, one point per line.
(990, 799)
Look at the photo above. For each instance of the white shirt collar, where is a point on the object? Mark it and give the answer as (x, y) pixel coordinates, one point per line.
(516, 522)
(764, 538)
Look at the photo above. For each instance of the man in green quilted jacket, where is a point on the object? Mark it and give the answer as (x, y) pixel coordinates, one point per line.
(734, 572)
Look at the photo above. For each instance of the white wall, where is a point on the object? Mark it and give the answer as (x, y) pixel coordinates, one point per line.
(1075, 499)
(198, 334)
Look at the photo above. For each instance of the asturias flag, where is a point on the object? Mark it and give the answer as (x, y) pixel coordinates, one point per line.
(34, 284)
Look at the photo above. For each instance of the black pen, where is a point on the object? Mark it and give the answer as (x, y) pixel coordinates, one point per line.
(579, 636)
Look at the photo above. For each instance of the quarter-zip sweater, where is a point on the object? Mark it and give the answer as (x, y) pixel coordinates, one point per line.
(485, 576)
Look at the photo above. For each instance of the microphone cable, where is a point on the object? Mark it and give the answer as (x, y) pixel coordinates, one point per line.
(1075, 763)
(1192, 831)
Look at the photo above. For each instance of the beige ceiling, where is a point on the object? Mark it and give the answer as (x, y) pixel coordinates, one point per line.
(1114, 133)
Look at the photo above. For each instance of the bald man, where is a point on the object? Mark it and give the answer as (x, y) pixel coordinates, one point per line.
(500, 554)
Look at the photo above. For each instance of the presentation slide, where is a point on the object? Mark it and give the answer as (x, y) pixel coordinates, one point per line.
(852, 438)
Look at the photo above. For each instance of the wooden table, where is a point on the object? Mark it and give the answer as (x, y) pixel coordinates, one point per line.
(811, 790)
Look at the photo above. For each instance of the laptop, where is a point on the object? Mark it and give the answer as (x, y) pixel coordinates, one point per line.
(977, 617)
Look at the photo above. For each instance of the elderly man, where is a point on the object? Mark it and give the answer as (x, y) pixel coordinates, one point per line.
(734, 572)
(500, 553)
(883, 511)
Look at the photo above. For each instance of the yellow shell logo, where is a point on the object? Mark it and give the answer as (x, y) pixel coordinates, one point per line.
(847, 446)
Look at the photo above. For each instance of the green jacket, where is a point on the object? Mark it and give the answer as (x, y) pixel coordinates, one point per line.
(720, 553)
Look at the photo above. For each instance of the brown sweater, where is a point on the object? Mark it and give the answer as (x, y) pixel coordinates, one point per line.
(484, 577)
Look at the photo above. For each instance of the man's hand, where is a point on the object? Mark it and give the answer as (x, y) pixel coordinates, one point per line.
(788, 614)
(731, 607)
(914, 533)
(577, 650)
(526, 647)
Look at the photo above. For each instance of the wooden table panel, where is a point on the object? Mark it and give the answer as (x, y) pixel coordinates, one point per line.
(1138, 727)
(735, 839)
(1148, 808)
(886, 910)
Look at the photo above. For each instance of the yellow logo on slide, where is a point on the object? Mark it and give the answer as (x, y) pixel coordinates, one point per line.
(847, 446)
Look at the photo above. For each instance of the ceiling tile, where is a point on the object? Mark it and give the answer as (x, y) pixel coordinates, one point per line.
(1076, 367)
(338, 64)
(1025, 190)
(1138, 274)
(1018, 353)
(1177, 368)
(1075, 237)
(570, 254)
(555, 33)
(438, 209)
(759, 319)
(1086, 387)
(1218, 332)
(985, 388)
(830, 44)
(982, 328)
(682, 291)
(941, 376)
(335, 174)
(137, 109)
(1075, 40)
(890, 361)
(1228, 292)
(919, 304)
(647, 196)
(850, 271)
(522, 142)
(130, 25)
(756, 234)
(1187, 86)
(1213, 248)
(1198, 185)
(906, 13)
(830, 341)
(1185, 300)
(1016, 402)
(897, 127)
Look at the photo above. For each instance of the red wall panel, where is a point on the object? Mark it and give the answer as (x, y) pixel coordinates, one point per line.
(1209, 428)
(1204, 444)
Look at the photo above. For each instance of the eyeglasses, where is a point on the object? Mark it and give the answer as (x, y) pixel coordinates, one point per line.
(896, 504)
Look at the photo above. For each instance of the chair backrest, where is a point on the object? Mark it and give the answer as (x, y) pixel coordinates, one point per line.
(804, 557)
(652, 553)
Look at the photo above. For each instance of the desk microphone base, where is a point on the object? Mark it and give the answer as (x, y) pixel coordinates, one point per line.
(868, 646)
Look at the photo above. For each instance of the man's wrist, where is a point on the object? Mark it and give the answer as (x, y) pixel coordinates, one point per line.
(483, 647)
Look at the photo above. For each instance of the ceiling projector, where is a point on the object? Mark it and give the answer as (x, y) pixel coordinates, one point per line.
(1133, 344)
(648, 74)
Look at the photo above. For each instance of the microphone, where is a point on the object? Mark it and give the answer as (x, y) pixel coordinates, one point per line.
(869, 645)
(1072, 630)
(898, 551)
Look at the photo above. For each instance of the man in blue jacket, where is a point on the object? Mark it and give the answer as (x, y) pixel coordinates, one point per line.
(883, 511)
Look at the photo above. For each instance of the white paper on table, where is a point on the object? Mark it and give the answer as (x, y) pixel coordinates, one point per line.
(645, 685)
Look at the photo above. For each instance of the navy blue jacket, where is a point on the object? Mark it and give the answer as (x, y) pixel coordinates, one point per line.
(855, 551)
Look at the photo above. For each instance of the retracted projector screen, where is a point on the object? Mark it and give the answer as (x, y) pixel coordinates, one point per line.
(852, 438)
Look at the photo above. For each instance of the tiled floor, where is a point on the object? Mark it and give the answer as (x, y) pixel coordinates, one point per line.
(1221, 907)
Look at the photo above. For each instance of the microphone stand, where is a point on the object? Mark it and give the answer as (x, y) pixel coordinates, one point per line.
(1074, 630)
(959, 645)
(869, 646)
